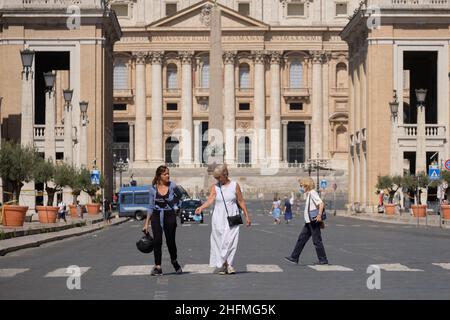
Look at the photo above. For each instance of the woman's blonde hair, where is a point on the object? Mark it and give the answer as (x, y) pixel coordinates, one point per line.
(307, 183)
(221, 169)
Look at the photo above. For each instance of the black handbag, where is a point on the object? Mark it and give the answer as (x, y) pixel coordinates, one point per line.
(232, 220)
(145, 244)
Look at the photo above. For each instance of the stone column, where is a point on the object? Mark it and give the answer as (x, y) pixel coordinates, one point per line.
(186, 111)
(285, 140)
(307, 140)
(157, 113)
(316, 129)
(197, 141)
(131, 144)
(141, 114)
(50, 112)
(275, 107)
(229, 110)
(84, 141)
(27, 118)
(325, 107)
(68, 132)
(421, 157)
(260, 108)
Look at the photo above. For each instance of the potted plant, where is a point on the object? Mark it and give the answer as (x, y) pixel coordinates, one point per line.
(445, 207)
(416, 184)
(44, 172)
(93, 208)
(391, 184)
(16, 167)
(76, 184)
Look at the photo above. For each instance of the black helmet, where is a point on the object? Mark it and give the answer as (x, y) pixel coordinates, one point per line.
(145, 244)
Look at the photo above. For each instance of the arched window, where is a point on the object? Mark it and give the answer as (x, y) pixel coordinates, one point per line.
(244, 150)
(244, 76)
(172, 71)
(172, 148)
(205, 73)
(120, 75)
(296, 74)
(341, 138)
(341, 75)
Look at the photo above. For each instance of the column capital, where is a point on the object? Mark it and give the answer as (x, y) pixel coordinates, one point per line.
(307, 122)
(140, 56)
(131, 123)
(229, 57)
(186, 57)
(275, 57)
(156, 57)
(259, 56)
(197, 123)
(284, 122)
(316, 56)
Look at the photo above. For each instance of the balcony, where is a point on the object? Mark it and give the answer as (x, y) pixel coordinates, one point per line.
(201, 92)
(339, 92)
(123, 94)
(435, 135)
(172, 93)
(296, 93)
(244, 92)
(39, 132)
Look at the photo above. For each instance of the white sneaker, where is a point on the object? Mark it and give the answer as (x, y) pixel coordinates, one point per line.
(230, 270)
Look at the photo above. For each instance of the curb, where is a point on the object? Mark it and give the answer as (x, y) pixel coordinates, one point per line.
(34, 244)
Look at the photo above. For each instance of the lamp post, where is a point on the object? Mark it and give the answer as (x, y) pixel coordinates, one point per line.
(421, 160)
(84, 122)
(68, 149)
(316, 164)
(393, 106)
(27, 125)
(120, 166)
(50, 111)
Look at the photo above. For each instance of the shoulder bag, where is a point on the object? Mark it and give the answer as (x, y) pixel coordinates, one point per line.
(232, 220)
(314, 213)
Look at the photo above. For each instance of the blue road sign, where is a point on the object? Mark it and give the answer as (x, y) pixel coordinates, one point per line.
(447, 164)
(434, 173)
(95, 177)
(323, 184)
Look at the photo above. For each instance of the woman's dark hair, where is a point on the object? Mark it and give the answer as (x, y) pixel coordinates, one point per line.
(159, 172)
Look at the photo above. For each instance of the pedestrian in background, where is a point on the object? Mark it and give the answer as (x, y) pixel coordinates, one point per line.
(62, 211)
(276, 211)
(107, 209)
(227, 196)
(287, 209)
(79, 210)
(312, 226)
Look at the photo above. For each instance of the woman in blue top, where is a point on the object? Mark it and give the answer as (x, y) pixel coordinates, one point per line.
(164, 201)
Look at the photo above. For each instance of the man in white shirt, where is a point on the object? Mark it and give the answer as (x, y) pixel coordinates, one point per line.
(62, 211)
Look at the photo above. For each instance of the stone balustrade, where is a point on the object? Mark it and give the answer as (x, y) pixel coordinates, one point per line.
(39, 132)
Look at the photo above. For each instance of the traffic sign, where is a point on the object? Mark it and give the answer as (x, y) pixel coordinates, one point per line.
(434, 173)
(95, 177)
(323, 184)
(447, 164)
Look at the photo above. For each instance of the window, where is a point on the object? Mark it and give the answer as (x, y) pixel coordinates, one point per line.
(120, 107)
(120, 76)
(295, 9)
(244, 76)
(341, 9)
(296, 74)
(172, 107)
(172, 71)
(141, 198)
(205, 73)
(244, 8)
(171, 8)
(244, 106)
(120, 9)
(295, 106)
(341, 75)
(126, 198)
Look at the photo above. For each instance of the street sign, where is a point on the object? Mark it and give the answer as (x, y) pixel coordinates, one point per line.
(95, 177)
(323, 184)
(434, 173)
(447, 164)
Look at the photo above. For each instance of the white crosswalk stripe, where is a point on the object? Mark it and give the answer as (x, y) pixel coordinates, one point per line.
(11, 272)
(330, 267)
(263, 268)
(65, 272)
(395, 267)
(443, 265)
(198, 268)
(133, 270)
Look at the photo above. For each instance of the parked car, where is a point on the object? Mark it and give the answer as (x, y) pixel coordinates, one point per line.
(187, 210)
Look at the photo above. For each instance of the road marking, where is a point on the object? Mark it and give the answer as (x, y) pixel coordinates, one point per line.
(203, 224)
(330, 267)
(263, 268)
(395, 267)
(163, 281)
(374, 226)
(62, 272)
(443, 265)
(356, 225)
(255, 224)
(161, 295)
(186, 225)
(133, 270)
(340, 225)
(198, 268)
(11, 272)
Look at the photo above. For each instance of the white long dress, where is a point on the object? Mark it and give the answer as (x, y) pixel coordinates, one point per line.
(224, 240)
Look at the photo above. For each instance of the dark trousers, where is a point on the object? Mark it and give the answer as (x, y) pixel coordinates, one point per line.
(170, 227)
(310, 229)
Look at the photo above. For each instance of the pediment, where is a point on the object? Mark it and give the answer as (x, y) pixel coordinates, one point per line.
(190, 18)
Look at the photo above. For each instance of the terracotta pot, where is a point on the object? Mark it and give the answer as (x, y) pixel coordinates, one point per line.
(389, 209)
(419, 210)
(14, 216)
(93, 208)
(73, 211)
(47, 214)
(445, 211)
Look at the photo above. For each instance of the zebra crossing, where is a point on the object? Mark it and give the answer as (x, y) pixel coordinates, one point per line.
(199, 269)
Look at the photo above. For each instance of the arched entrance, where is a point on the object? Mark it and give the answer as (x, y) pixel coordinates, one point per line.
(172, 150)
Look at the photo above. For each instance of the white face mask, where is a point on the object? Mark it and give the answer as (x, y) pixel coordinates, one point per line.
(301, 190)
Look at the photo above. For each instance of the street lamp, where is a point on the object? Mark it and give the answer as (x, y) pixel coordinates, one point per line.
(120, 166)
(27, 56)
(68, 93)
(317, 163)
(393, 105)
(68, 151)
(421, 95)
(84, 123)
(49, 78)
(50, 109)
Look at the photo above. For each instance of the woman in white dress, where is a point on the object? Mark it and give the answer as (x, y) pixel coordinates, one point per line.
(224, 239)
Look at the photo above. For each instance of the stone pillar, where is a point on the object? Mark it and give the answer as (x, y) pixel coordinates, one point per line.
(131, 144)
(50, 112)
(141, 114)
(307, 140)
(197, 141)
(285, 140)
(186, 111)
(68, 131)
(229, 110)
(275, 104)
(260, 107)
(316, 132)
(157, 113)
(325, 107)
(84, 141)
(421, 157)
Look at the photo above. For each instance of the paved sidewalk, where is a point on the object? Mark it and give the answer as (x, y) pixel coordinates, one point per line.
(30, 241)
